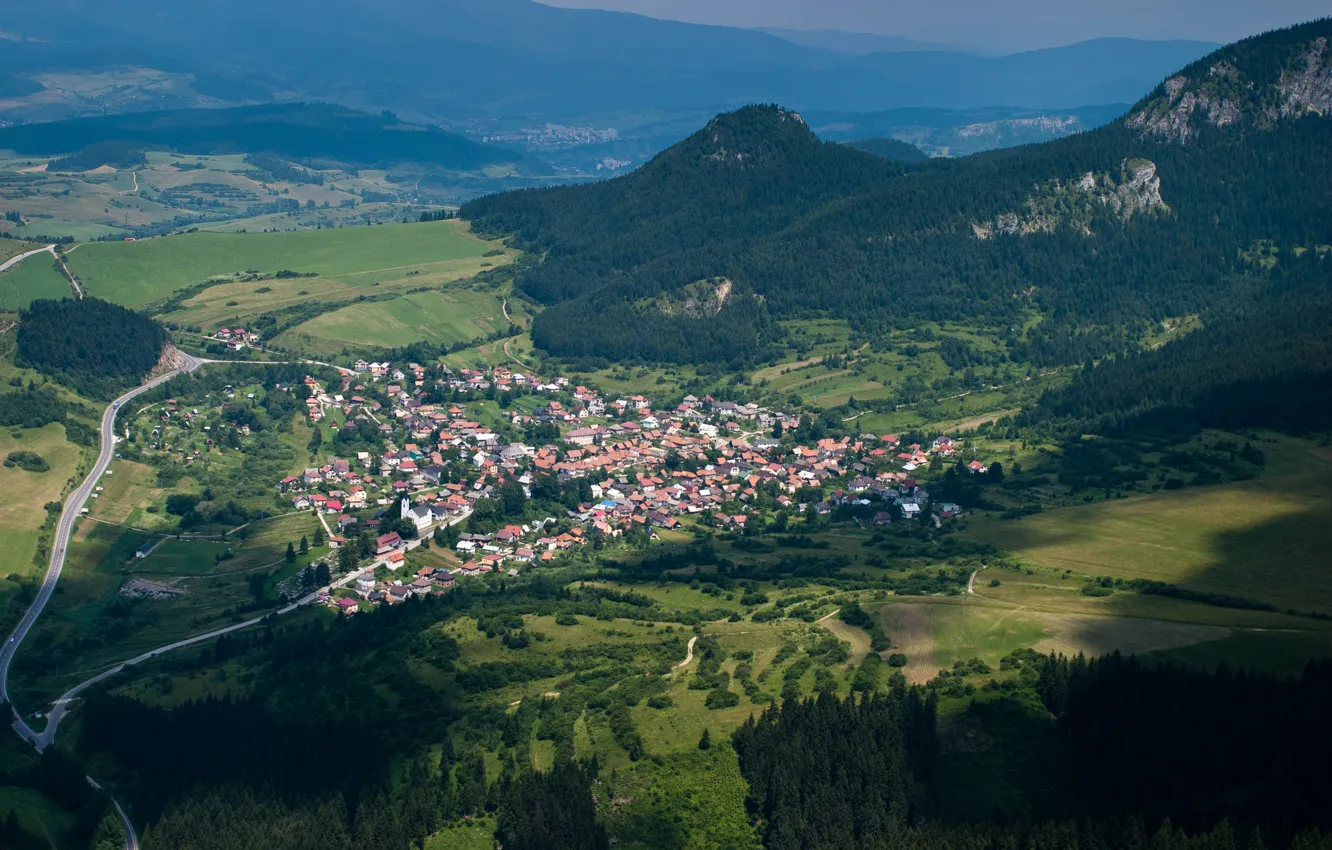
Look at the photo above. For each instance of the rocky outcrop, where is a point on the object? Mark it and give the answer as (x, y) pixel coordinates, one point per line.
(171, 360)
(699, 300)
(1226, 96)
(1308, 88)
(1177, 122)
(1077, 203)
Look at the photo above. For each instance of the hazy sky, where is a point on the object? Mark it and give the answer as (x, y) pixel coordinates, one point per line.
(996, 24)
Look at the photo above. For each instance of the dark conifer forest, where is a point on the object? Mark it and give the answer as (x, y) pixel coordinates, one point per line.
(95, 346)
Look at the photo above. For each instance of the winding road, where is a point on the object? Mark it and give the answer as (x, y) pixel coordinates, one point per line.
(68, 515)
(49, 249)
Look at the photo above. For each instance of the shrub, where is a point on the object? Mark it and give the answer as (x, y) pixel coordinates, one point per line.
(30, 461)
(897, 659)
(721, 699)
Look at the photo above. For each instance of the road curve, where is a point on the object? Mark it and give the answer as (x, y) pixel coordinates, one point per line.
(70, 513)
(14, 261)
(58, 709)
(131, 837)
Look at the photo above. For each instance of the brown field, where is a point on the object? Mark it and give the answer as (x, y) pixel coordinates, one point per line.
(908, 626)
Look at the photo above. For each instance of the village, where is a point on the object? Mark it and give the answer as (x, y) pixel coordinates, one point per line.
(636, 469)
(437, 463)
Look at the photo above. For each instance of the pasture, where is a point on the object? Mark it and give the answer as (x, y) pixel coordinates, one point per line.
(21, 509)
(1264, 540)
(35, 277)
(439, 317)
(13, 247)
(139, 273)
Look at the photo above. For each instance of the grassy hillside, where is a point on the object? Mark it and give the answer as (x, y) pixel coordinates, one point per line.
(139, 273)
(1262, 540)
(22, 513)
(36, 277)
(438, 317)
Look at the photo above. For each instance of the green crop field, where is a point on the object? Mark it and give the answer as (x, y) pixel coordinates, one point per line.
(437, 316)
(1264, 540)
(35, 277)
(138, 273)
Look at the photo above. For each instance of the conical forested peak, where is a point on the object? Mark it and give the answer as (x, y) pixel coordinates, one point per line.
(1256, 83)
(754, 136)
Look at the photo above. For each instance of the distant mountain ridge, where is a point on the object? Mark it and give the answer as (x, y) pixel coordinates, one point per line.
(860, 43)
(520, 58)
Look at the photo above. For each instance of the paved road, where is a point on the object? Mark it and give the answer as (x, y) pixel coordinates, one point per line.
(47, 736)
(61, 706)
(14, 261)
(68, 515)
(64, 529)
(131, 837)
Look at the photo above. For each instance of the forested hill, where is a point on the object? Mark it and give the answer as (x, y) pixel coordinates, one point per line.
(313, 131)
(1098, 235)
(94, 346)
(890, 149)
(1254, 84)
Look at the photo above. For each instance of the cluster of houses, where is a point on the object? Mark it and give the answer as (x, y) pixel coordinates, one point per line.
(178, 428)
(643, 468)
(637, 468)
(236, 339)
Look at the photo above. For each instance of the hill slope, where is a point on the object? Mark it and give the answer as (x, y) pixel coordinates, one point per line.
(1083, 241)
(300, 131)
(890, 149)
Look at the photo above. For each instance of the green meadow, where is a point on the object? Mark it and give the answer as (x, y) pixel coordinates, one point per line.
(35, 277)
(139, 273)
(440, 317)
(1264, 540)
